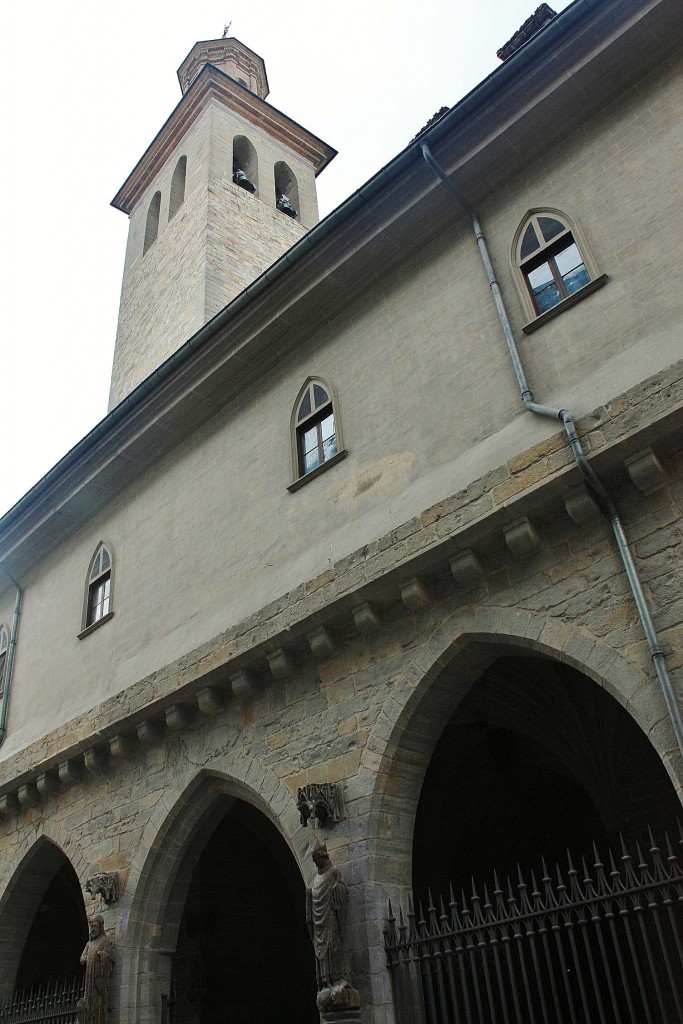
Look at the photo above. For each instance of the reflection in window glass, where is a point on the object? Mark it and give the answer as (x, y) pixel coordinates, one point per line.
(550, 228)
(550, 262)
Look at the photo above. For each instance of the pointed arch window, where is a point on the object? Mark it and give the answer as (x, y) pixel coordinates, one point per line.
(244, 164)
(98, 590)
(286, 190)
(316, 433)
(553, 262)
(4, 648)
(177, 187)
(152, 225)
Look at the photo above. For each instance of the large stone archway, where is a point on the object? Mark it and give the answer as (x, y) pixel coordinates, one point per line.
(459, 652)
(167, 900)
(44, 923)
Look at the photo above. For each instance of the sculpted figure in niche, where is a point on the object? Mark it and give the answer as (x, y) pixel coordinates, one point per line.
(326, 903)
(98, 957)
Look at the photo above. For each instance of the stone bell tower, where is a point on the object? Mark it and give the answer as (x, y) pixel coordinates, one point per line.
(225, 188)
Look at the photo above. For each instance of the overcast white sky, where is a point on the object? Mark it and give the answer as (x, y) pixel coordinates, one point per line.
(86, 88)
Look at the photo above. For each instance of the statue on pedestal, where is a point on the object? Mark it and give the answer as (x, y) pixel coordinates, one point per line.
(98, 957)
(326, 903)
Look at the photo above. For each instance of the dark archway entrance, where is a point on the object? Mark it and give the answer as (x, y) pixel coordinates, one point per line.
(44, 924)
(535, 805)
(537, 760)
(243, 951)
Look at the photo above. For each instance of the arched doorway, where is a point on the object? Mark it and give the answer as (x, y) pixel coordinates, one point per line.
(539, 892)
(44, 924)
(535, 761)
(242, 949)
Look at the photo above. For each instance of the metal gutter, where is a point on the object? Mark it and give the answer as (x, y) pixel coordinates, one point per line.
(592, 480)
(4, 703)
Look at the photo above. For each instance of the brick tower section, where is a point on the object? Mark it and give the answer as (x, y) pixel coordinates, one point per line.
(196, 237)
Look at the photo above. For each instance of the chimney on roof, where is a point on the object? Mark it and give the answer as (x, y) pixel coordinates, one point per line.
(541, 16)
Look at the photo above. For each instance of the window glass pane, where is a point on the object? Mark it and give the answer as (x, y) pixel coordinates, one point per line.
(105, 597)
(550, 227)
(310, 440)
(545, 291)
(106, 561)
(96, 566)
(329, 447)
(568, 260)
(305, 407)
(530, 242)
(320, 396)
(546, 298)
(311, 460)
(327, 427)
(540, 277)
(576, 279)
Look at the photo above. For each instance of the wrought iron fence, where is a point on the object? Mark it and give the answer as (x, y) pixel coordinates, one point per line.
(47, 1004)
(596, 946)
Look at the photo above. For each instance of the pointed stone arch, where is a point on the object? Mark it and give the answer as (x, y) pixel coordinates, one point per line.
(421, 700)
(160, 875)
(31, 877)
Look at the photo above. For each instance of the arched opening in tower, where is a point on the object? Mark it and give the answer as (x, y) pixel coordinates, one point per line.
(243, 950)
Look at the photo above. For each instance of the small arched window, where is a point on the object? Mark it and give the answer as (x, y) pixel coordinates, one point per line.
(316, 435)
(286, 190)
(177, 187)
(4, 647)
(98, 592)
(552, 261)
(152, 225)
(244, 164)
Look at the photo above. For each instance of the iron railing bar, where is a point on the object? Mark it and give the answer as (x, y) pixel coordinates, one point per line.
(648, 952)
(499, 979)
(448, 955)
(667, 962)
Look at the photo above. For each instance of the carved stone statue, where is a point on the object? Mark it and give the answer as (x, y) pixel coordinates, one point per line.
(319, 800)
(98, 957)
(104, 884)
(326, 903)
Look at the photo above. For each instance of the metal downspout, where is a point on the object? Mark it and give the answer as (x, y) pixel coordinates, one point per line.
(10, 652)
(596, 486)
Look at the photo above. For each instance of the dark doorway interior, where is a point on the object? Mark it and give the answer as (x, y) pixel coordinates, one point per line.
(57, 934)
(537, 760)
(243, 951)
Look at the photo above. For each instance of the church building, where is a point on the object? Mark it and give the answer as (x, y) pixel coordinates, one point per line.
(341, 663)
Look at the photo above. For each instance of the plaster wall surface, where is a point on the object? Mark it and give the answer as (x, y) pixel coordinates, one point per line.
(428, 405)
(346, 718)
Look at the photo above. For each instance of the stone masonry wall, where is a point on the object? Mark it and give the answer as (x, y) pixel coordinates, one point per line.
(360, 704)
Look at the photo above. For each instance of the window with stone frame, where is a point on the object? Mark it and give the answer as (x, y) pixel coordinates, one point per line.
(553, 262)
(316, 437)
(98, 596)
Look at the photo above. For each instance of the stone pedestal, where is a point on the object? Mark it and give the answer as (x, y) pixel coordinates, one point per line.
(340, 1017)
